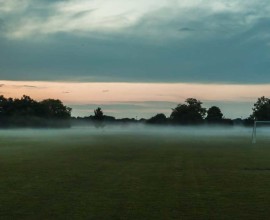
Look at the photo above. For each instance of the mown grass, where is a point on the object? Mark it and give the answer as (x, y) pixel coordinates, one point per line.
(132, 176)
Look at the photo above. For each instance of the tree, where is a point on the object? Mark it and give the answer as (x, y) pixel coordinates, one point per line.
(261, 110)
(3, 106)
(158, 119)
(214, 114)
(191, 112)
(98, 114)
(25, 106)
(54, 108)
(28, 112)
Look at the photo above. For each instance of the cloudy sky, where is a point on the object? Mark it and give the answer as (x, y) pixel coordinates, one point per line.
(116, 43)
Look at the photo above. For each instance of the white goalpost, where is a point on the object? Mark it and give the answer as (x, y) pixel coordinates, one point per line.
(254, 132)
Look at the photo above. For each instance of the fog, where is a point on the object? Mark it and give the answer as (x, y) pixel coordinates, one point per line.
(138, 130)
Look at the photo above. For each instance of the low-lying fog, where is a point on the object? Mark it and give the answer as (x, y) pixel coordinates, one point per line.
(143, 130)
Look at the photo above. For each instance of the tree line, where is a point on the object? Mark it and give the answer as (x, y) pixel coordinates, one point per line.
(52, 112)
(28, 112)
(192, 112)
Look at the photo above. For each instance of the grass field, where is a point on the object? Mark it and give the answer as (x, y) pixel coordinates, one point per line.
(133, 175)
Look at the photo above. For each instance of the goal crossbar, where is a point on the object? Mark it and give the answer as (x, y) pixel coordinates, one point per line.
(254, 132)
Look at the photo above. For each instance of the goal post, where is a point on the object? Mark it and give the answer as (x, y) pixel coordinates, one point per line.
(254, 132)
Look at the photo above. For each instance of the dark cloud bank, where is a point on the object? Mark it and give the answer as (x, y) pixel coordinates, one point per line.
(223, 47)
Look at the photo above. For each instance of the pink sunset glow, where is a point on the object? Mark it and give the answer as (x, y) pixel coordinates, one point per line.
(85, 93)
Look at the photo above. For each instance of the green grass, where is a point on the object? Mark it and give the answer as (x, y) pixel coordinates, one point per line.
(132, 176)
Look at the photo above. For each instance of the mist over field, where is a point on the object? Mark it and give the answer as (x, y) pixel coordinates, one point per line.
(176, 132)
(134, 171)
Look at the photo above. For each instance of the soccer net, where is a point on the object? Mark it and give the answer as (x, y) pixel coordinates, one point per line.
(255, 128)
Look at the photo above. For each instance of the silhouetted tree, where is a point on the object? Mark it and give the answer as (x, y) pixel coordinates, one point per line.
(9, 107)
(3, 106)
(191, 112)
(25, 106)
(28, 112)
(98, 118)
(98, 114)
(157, 119)
(261, 110)
(214, 114)
(54, 108)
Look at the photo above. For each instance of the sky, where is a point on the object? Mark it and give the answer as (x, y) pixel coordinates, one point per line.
(169, 50)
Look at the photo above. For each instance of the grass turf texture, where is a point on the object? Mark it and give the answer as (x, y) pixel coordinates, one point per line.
(106, 176)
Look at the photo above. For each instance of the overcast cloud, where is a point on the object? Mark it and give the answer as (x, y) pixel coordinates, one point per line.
(224, 41)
